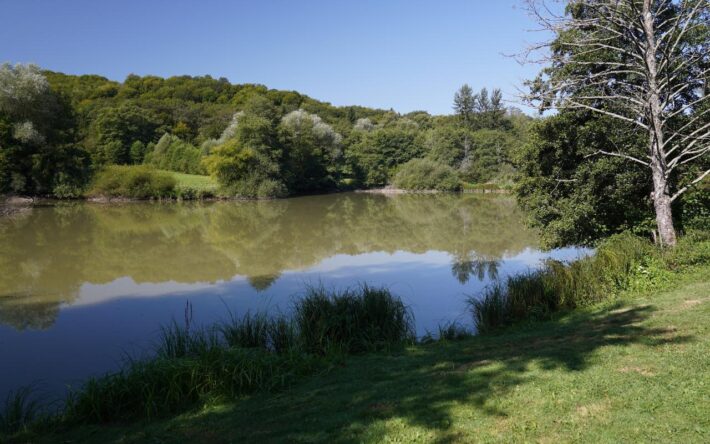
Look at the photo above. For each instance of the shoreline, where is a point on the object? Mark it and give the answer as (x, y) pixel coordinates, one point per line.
(13, 204)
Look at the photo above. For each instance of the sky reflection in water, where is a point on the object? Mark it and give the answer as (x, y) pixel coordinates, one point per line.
(82, 285)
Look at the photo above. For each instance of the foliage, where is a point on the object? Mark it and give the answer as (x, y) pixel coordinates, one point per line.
(116, 129)
(659, 98)
(36, 128)
(137, 182)
(377, 153)
(491, 150)
(312, 150)
(191, 186)
(57, 130)
(172, 154)
(575, 198)
(425, 174)
(243, 160)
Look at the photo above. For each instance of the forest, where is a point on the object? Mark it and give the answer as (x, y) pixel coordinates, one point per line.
(62, 135)
(68, 136)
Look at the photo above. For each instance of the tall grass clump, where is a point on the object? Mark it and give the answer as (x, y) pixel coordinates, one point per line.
(163, 386)
(18, 411)
(251, 331)
(558, 286)
(276, 334)
(352, 321)
(692, 249)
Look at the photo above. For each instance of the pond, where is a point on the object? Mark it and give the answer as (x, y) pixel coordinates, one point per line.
(83, 285)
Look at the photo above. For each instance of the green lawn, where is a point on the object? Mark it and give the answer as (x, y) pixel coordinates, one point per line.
(634, 371)
(204, 185)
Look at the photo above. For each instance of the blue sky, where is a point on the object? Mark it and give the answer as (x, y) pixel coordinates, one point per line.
(402, 54)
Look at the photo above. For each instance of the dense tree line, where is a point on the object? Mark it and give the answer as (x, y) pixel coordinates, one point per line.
(58, 131)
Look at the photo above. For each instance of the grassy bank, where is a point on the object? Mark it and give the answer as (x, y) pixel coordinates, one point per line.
(194, 186)
(193, 366)
(628, 366)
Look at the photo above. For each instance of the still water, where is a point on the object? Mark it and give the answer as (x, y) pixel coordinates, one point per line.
(82, 285)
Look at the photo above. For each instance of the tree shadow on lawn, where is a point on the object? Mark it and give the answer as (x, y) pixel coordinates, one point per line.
(420, 386)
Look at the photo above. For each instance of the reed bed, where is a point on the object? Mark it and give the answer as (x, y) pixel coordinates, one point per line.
(19, 410)
(243, 355)
(558, 286)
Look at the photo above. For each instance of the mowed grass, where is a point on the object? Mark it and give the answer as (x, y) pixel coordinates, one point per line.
(193, 183)
(636, 370)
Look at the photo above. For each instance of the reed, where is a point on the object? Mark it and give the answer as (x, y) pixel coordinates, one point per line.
(352, 321)
(242, 355)
(538, 294)
(19, 410)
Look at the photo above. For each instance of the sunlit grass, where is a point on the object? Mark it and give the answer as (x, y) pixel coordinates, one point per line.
(192, 186)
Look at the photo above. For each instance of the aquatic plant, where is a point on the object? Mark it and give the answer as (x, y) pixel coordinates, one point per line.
(243, 355)
(352, 321)
(18, 411)
(539, 294)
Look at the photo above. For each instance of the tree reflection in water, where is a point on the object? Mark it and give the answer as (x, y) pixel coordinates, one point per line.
(47, 254)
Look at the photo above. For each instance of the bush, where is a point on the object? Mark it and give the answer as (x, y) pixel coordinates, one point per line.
(692, 249)
(136, 181)
(173, 154)
(426, 174)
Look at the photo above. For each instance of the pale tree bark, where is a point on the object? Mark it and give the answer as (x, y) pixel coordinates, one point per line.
(661, 192)
(641, 62)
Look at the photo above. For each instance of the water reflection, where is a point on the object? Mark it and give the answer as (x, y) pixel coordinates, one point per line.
(48, 255)
(82, 285)
(464, 269)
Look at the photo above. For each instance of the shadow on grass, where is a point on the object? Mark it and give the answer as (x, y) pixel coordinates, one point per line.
(417, 387)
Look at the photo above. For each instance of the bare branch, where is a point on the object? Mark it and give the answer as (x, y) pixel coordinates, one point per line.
(690, 185)
(624, 156)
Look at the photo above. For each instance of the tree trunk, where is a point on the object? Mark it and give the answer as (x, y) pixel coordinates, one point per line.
(661, 194)
(662, 205)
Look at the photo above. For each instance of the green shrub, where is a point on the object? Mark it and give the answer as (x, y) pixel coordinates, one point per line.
(692, 249)
(135, 181)
(193, 186)
(173, 154)
(426, 174)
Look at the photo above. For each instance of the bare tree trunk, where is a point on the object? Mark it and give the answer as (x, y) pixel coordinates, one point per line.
(662, 205)
(661, 194)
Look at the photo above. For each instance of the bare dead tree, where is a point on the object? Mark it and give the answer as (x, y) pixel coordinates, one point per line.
(643, 62)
